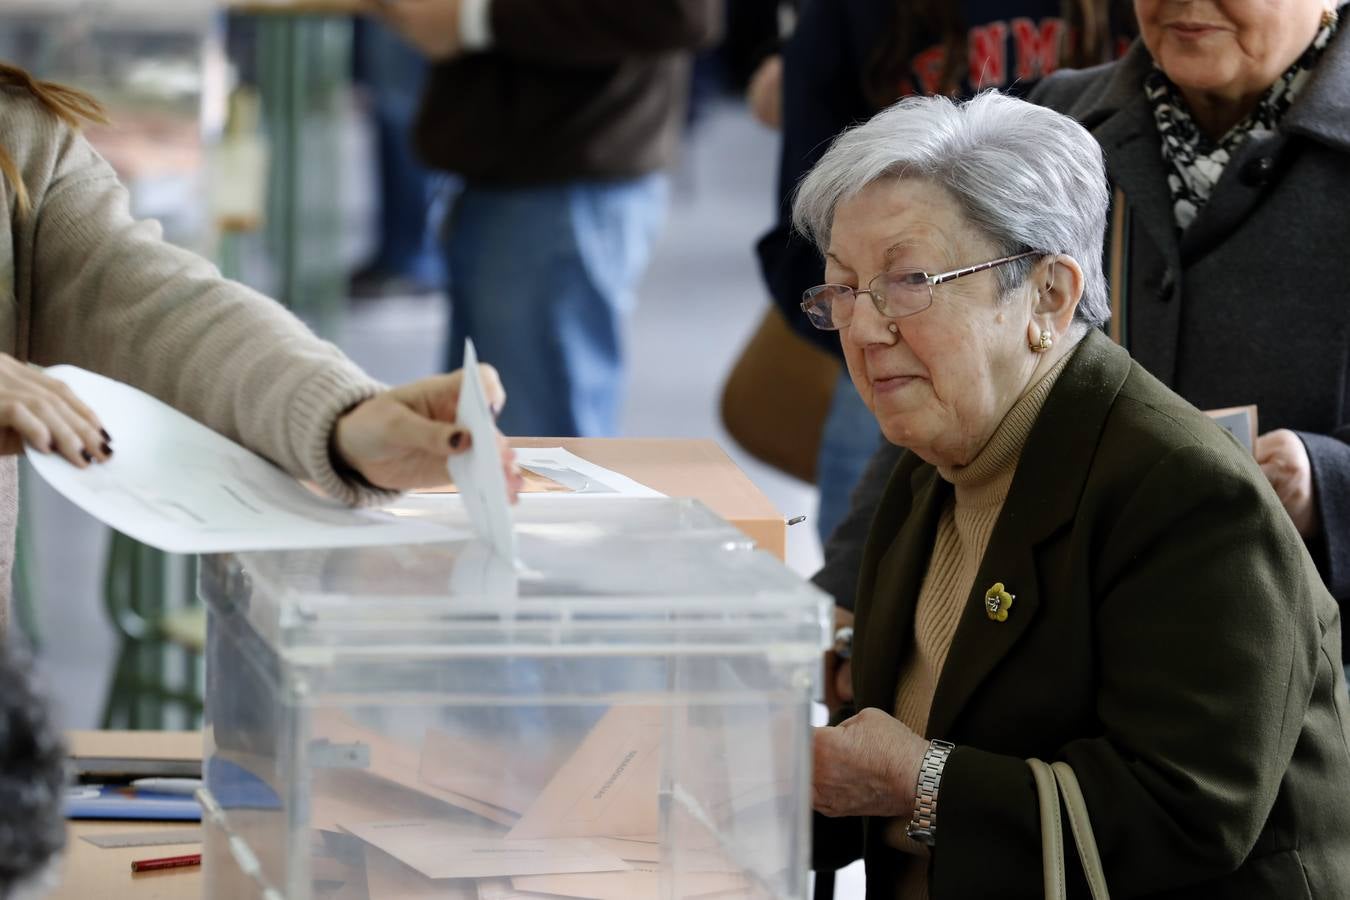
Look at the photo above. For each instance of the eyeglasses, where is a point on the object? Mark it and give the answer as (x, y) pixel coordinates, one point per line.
(895, 294)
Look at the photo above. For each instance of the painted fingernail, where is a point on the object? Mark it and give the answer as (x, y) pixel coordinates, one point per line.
(456, 440)
(107, 449)
(106, 437)
(86, 455)
(53, 448)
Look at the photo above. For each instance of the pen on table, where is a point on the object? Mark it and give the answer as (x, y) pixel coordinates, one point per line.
(166, 862)
(185, 786)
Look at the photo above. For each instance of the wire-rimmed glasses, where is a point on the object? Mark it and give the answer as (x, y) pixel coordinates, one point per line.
(895, 293)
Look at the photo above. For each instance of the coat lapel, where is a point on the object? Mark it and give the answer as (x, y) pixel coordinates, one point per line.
(1320, 113)
(1252, 169)
(885, 613)
(1043, 497)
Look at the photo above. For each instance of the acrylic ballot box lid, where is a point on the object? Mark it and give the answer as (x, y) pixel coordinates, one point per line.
(600, 576)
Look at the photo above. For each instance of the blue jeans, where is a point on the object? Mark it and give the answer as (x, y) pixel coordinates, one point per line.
(541, 278)
(394, 71)
(851, 438)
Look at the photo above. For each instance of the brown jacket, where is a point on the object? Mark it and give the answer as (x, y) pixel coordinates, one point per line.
(571, 89)
(1170, 639)
(81, 282)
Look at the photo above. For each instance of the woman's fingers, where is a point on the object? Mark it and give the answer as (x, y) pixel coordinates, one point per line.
(47, 423)
(430, 436)
(515, 480)
(17, 419)
(492, 387)
(93, 428)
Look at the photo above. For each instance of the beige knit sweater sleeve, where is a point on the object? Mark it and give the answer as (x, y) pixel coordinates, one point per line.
(95, 288)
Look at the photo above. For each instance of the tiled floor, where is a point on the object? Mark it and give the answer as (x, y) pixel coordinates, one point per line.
(700, 300)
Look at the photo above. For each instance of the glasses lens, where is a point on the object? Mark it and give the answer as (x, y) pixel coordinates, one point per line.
(903, 291)
(829, 306)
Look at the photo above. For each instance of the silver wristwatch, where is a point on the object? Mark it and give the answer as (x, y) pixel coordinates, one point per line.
(923, 824)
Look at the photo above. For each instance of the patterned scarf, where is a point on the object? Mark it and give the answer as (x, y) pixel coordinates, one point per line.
(1195, 162)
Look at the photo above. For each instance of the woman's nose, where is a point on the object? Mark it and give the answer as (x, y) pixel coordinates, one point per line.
(868, 326)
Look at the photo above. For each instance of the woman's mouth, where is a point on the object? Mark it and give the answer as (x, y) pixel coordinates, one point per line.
(893, 383)
(1192, 31)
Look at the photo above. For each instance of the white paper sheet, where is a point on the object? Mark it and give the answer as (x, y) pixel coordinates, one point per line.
(175, 484)
(478, 473)
(576, 477)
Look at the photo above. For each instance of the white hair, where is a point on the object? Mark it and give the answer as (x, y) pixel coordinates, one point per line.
(1026, 176)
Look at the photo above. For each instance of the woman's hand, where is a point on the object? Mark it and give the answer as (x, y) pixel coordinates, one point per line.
(868, 766)
(402, 438)
(1284, 460)
(37, 409)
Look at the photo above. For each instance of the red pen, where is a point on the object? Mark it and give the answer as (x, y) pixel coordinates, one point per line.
(167, 862)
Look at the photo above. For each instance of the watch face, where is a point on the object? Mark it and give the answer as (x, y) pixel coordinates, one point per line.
(843, 642)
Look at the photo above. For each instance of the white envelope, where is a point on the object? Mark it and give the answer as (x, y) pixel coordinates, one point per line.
(439, 849)
(609, 786)
(478, 472)
(639, 884)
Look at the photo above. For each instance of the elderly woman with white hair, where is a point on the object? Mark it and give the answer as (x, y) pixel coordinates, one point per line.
(1069, 562)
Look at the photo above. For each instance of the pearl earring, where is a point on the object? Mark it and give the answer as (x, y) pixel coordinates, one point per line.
(1045, 343)
(893, 328)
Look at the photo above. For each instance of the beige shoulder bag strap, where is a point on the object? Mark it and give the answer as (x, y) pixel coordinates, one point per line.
(1051, 783)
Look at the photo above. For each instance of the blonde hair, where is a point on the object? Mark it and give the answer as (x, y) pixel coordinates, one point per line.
(67, 104)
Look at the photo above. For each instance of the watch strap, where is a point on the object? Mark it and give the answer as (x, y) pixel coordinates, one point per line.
(923, 822)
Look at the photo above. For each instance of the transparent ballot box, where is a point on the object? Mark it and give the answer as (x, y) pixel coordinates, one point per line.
(624, 714)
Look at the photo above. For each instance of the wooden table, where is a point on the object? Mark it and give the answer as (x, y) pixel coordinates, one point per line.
(94, 873)
(681, 467)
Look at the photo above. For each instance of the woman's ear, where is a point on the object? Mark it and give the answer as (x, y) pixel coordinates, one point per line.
(1059, 287)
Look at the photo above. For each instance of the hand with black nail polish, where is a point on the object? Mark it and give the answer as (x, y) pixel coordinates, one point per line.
(401, 439)
(43, 412)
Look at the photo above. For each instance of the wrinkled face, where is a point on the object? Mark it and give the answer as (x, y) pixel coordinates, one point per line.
(944, 380)
(1231, 48)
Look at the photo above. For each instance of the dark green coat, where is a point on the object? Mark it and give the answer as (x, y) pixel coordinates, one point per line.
(1170, 639)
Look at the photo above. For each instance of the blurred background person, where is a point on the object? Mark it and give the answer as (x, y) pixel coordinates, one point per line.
(753, 48)
(1225, 135)
(846, 61)
(32, 784)
(561, 118)
(406, 260)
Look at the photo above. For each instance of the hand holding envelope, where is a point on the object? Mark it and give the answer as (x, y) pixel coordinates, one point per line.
(401, 439)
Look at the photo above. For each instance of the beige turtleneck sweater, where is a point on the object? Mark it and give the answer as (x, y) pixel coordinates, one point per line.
(963, 533)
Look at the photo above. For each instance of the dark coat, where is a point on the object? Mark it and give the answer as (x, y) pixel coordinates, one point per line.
(569, 90)
(1170, 639)
(1250, 305)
